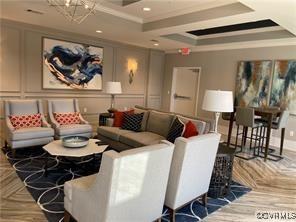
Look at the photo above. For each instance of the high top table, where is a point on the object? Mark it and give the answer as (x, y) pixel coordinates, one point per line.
(269, 114)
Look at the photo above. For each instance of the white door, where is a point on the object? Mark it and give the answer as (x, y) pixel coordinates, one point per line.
(185, 87)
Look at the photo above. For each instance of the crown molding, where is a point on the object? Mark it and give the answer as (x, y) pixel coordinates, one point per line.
(240, 45)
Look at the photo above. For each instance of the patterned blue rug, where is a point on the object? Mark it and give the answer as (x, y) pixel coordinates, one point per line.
(48, 190)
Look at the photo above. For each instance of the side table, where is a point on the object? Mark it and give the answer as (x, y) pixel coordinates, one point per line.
(103, 118)
(222, 172)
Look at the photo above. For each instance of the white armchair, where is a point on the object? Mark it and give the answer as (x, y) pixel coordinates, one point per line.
(130, 187)
(26, 137)
(67, 106)
(191, 170)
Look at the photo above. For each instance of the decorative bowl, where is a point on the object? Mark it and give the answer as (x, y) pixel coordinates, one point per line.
(75, 141)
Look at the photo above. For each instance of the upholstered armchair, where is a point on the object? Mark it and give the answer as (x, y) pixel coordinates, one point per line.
(19, 136)
(130, 186)
(67, 106)
(191, 170)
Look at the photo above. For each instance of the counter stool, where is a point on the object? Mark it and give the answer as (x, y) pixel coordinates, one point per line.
(280, 124)
(245, 118)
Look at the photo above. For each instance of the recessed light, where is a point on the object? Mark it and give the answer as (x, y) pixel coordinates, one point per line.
(156, 44)
(99, 31)
(146, 9)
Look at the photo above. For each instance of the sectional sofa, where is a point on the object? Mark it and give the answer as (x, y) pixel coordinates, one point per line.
(154, 128)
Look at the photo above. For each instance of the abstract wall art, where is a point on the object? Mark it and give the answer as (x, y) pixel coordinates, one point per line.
(68, 65)
(252, 83)
(283, 90)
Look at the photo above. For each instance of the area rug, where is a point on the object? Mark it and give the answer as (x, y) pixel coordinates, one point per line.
(47, 190)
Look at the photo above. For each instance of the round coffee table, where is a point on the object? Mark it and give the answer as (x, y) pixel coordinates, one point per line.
(56, 148)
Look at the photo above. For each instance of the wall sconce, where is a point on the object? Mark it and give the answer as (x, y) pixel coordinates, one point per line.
(132, 67)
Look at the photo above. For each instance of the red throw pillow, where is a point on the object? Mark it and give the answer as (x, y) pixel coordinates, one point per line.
(26, 121)
(190, 130)
(118, 117)
(67, 118)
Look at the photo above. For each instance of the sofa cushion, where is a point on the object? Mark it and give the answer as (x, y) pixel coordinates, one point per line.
(31, 133)
(132, 121)
(73, 129)
(145, 117)
(176, 130)
(159, 123)
(112, 132)
(200, 125)
(137, 139)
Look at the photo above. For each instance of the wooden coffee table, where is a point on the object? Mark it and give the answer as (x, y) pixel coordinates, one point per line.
(56, 148)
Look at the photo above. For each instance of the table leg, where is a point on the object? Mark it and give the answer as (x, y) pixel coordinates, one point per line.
(282, 140)
(268, 136)
(230, 128)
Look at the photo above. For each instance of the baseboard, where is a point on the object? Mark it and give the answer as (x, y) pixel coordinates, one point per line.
(274, 141)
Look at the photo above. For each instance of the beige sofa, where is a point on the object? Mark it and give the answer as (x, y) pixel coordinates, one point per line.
(155, 127)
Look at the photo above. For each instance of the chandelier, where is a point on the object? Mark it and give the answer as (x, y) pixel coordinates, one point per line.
(74, 10)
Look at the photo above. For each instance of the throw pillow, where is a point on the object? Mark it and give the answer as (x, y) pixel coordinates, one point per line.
(67, 118)
(190, 130)
(26, 121)
(118, 117)
(176, 130)
(132, 121)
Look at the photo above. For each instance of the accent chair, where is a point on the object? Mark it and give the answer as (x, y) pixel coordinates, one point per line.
(130, 186)
(191, 170)
(63, 106)
(29, 136)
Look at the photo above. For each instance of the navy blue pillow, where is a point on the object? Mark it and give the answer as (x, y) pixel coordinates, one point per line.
(132, 121)
(176, 130)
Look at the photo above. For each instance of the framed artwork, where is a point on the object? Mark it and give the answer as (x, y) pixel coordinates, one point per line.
(252, 83)
(283, 89)
(68, 65)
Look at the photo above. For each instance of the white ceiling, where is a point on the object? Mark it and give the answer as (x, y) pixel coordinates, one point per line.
(130, 24)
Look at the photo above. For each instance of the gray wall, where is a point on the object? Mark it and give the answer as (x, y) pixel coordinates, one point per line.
(21, 70)
(219, 69)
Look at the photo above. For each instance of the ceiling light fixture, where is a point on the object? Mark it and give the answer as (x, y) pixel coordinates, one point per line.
(146, 9)
(99, 31)
(74, 10)
(156, 44)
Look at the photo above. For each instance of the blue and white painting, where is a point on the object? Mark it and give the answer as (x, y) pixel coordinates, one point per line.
(283, 90)
(68, 65)
(252, 83)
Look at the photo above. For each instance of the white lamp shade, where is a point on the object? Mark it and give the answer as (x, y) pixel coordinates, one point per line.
(113, 88)
(218, 101)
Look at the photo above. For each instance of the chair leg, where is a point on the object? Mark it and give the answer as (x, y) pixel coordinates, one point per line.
(282, 140)
(67, 216)
(172, 215)
(205, 199)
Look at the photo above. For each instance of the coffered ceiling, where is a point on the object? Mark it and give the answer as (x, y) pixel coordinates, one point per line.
(172, 22)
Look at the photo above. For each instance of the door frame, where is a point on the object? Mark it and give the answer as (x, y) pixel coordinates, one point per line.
(173, 86)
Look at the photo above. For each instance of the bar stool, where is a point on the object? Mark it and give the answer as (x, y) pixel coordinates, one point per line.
(280, 124)
(245, 117)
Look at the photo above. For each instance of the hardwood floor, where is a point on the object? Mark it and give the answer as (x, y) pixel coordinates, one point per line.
(273, 184)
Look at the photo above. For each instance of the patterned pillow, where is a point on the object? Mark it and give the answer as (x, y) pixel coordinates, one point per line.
(132, 121)
(26, 121)
(176, 130)
(67, 118)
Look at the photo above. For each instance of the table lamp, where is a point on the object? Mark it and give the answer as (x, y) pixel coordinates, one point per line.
(113, 88)
(219, 102)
